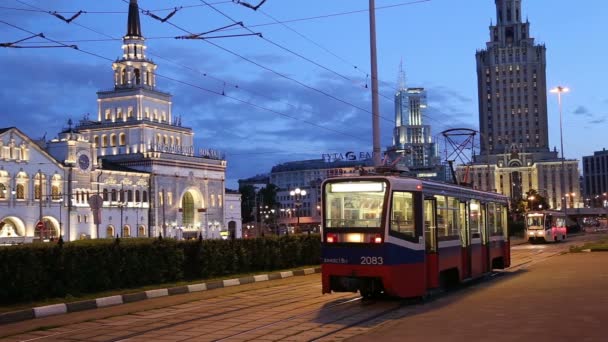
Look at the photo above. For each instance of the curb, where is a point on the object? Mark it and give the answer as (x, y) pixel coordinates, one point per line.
(64, 308)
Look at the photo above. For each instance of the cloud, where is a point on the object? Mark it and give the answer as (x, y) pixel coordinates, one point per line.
(582, 111)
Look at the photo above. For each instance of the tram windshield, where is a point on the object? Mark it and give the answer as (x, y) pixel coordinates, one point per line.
(535, 222)
(354, 204)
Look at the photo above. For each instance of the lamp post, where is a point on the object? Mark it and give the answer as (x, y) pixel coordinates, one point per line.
(559, 90)
(531, 202)
(298, 194)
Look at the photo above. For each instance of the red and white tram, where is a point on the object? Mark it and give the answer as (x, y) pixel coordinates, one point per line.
(404, 236)
(546, 226)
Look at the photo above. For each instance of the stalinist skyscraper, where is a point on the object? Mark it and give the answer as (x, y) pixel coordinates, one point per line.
(515, 154)
(512, 86)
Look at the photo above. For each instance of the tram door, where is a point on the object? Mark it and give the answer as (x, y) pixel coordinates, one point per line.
(430, 236)
(485, 239)
(465, 239)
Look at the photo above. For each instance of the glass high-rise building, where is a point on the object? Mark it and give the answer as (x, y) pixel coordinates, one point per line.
(412, 140)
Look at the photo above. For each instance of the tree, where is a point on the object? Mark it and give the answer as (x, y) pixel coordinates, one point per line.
(247, 202)
(534, 200)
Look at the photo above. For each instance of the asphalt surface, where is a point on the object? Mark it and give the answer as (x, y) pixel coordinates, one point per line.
(564, 298)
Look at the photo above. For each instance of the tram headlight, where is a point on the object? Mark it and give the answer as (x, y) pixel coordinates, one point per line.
(377, 239)
(541, 232)
(531, 233)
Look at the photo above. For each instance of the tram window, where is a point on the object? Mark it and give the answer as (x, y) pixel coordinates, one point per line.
(474, 218)
(354, 205)
(447, 218)
(402, 215)
(491, 219)
(500, 225)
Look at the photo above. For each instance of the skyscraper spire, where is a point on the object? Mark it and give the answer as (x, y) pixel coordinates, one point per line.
(133, 25)
(401, 78)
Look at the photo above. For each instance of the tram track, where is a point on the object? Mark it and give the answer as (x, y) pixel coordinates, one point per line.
(290, 309)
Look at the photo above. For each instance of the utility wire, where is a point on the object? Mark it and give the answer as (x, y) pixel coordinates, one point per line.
(271, 70)
(196, 86)
(236, 86)
(283, 75)
(108, 12)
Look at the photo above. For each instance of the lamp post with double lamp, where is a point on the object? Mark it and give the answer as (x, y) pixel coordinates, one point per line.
(298, 195)
(559, 90)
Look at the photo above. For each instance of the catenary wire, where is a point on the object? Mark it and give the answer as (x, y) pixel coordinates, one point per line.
(236, 86)
(196, 86)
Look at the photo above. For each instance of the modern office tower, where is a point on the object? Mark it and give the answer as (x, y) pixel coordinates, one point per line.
(412, 141)
(512, 86)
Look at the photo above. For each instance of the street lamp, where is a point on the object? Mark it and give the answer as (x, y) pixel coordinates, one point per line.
(531, 202)
(298, 194)
(559, 90)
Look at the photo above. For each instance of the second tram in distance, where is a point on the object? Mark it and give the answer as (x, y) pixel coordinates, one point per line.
(546, 226)
(404, 236)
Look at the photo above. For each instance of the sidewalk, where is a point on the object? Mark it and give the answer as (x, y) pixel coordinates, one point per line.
(97, 303)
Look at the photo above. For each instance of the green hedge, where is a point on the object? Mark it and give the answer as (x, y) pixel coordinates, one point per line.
(39, 271)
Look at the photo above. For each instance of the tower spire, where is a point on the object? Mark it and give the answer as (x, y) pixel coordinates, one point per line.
(134, 69)
(401, 77)
(133, 25)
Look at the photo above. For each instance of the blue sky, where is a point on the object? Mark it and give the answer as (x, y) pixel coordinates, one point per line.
(327, 109)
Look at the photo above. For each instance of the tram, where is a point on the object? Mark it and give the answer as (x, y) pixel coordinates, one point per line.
(546, 226)
(400, 236)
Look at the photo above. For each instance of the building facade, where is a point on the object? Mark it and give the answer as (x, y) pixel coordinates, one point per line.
(52, 182)
(595, 178)
(515, 157)
(135, 155)
(136, 128)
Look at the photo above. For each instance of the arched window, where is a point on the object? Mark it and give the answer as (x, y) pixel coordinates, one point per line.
(165, 140)
(105, 194)
(144, 196)
(55, 193)
(121, 196)
(96, 140)
(114, 195)
(113, 140)
(124, 76)
(158, 139)
(108, 114)
(119, 113)
(137, 76)
(3, 191)
(110, 231)
(172, 140)
(20, 191)
(104, 141)
(187, 210)
(37, 191)
(126, 231)
(177, 141)
(141, 231)
(149, 78)
(122, 139)
(137, 197)
(129, 195)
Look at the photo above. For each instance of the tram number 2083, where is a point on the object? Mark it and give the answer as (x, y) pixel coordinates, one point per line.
(367, 260)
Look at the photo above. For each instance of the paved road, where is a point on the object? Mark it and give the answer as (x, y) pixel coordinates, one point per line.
(564, 298)
(293, 309)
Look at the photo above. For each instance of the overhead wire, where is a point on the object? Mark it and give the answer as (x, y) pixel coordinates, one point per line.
(195, 86)
(285, 76)
(236, 86)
